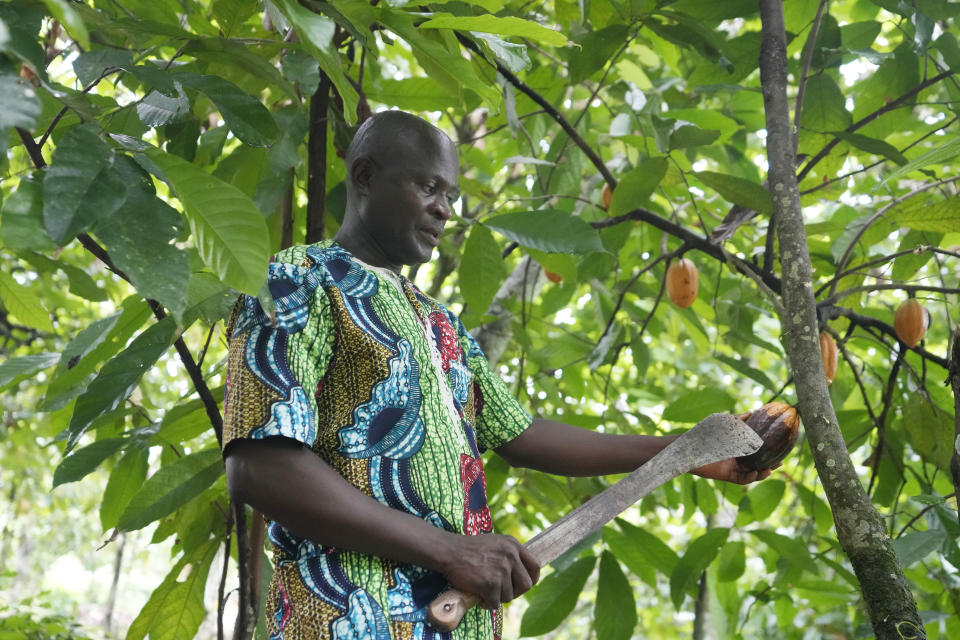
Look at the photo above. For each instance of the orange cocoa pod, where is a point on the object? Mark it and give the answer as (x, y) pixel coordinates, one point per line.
(606, 196)
(552, 277)
(911, 322)
(778, 425)
(682, 282)
(828, 351)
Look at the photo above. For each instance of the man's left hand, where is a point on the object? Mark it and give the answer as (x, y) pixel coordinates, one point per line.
(731, 471)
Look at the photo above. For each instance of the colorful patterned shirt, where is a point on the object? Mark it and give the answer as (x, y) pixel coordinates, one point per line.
(388, 388)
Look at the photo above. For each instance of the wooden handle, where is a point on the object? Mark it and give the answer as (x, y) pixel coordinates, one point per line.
(447, 609)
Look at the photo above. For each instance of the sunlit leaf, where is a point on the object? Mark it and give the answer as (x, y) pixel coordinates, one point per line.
(698, 555)
(124, 482)
(13, 370)
(23, 303)
(615, 612)
(739, 191)
(84, 460)
(635, 187)
(696, 405)
(552, 600)
(507, 26)
(549, 231)
(481, 269)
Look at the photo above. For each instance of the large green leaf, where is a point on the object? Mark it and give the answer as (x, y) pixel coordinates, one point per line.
(631, 552)
(699, 554)
(596, 47)
(942, 216)
(657, 552)
(637, 185)
(232, 13)
(731, 561)
(119, 377)
(19, 105)
(23, 303)
(945, 152)
(695, 405)
(791, 549)
(84, 460)
(246, 116)
(549, 231)
(141, 239)
(228, 231)
(506, 26)
(22, 224)
(481, 269)
(158, 109)
(170, 488)
(316, 32)
(740, 365)
(552, 600)
(914, 546)
(13, 370)
(175, 608)
(739, 191)
(929, 430)
(760, 501)
(823, 105)
(185, 421)
(80, 186)
(615, 612)
(124, 482)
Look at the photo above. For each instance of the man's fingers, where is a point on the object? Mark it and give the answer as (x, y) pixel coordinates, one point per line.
(531, 565)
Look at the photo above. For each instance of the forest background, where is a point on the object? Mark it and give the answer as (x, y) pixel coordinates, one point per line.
(156, 152)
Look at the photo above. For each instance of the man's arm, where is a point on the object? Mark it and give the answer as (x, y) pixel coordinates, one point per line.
(290, 484)
(562, 449)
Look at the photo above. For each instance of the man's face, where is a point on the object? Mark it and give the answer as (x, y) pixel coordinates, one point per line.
(409, 200)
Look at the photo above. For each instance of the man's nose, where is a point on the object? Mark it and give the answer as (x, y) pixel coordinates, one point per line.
(440, 207)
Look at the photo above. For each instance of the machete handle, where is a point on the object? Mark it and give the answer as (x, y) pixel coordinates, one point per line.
(447, 609)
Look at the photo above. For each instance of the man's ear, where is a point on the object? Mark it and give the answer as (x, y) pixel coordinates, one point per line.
(361, 173)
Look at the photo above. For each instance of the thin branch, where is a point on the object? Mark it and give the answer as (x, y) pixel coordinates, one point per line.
(807, 58)
(911, 288)
(887, 401)
(920, 514)
(893, 256)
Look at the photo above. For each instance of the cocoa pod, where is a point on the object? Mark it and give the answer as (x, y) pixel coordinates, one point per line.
(682, 282)
(778, 425)
(606, 196)
(910, 322)
(828, 351)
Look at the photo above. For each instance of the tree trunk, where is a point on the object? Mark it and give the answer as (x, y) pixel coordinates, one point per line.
(888, 601)
(955, 385)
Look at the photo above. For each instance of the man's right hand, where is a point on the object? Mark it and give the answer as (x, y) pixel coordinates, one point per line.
(493, 567)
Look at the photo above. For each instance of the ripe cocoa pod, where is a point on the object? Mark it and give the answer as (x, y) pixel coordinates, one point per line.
(828, 351)
(606, 196)
(911, 322)
(778, 425)
(552, 277)
(682, 282)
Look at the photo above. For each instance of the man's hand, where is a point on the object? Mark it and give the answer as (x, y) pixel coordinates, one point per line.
(730, 470)
(493, 567)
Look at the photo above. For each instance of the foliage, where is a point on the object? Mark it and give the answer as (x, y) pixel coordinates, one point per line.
(157, 150)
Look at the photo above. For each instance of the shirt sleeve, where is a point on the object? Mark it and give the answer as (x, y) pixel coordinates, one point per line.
(275, 363)
(499, 418)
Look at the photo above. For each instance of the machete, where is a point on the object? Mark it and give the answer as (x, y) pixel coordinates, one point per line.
(717, 437)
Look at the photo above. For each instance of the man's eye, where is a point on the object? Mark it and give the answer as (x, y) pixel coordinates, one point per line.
(430, 189)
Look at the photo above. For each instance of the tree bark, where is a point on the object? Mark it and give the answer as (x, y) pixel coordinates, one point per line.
(955, 385)
(888, 601)
(317, 160)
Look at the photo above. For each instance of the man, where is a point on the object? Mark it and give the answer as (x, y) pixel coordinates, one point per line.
(356, 416)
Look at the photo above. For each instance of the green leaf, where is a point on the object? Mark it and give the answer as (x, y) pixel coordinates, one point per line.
(158, 109)
(71, 21)
(630, 552)
(615, 612)
(90, 65)
(547, 230)
(414, 94)
(595, 49)
(170, 488)
(695, 405)
(656, 551)
(507, 26)
(941, 154)
(22, 224)
(23, 304)
(637, 185)
(84, 460)
(14, 370)
(228, 231)
(914, 546)
(873, 145)
(745, 193)
(316, 32)
(552, 600)
(19, 105)
(792, 549)
(929, 430)
(700, 553)
(246, 116)
(760, 501)
(732, 561)
(80, 186)
(175, 608)
(824, 105)
(688, 135)
(185, 421)
(860, 35)
(247, 60)
(743, 367)
(943, 216)
(231, 13)
(125, 480)
(119, 377)
(511, 54)
(481, 269)
(141, 239)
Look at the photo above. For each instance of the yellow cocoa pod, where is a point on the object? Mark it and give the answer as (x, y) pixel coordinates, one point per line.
(828, 351)
(911, 322)
(682, 282)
